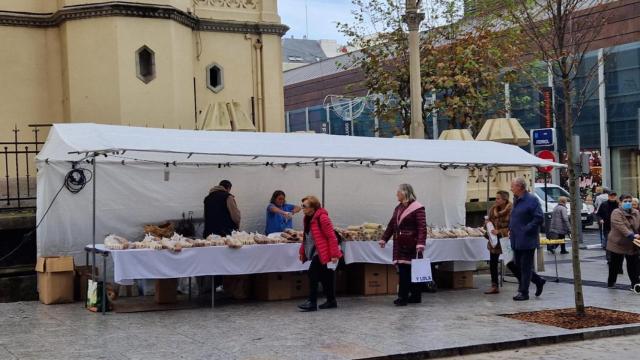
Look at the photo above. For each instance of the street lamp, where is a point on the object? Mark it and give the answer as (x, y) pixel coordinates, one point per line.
(413, 18)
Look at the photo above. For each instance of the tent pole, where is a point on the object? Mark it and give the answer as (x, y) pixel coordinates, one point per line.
(323, 182)
(93, 222)
(488, 187)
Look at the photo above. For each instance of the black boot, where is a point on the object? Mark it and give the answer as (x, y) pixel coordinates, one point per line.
(540, 287)
(308, 306)
(400, 302)
(329, 305)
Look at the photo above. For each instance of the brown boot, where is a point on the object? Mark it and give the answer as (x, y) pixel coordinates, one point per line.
(493, 290)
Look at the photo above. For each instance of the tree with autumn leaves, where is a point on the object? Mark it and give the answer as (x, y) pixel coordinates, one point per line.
(464, 60)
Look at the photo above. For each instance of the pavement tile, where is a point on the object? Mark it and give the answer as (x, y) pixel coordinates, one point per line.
(360, 327)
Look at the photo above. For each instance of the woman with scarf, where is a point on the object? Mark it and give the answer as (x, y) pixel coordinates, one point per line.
(408, 226)
(499, 216)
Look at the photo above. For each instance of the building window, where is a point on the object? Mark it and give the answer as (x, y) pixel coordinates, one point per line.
(215, 78)
(145, 64)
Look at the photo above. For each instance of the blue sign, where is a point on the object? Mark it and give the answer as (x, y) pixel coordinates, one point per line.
(543, 137)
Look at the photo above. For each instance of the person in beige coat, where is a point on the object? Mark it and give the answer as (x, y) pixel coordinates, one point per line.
(625, 226)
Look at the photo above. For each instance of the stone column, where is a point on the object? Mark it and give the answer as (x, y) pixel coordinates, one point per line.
(413, 18)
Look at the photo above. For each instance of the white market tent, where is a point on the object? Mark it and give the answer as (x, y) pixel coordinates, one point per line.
(148, 175)
(67, 141)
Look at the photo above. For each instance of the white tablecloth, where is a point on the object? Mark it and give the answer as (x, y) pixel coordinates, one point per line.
(254, 259)
(461, 249)
(219, 260)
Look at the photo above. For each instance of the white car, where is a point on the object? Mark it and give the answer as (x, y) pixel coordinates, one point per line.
(553, 193)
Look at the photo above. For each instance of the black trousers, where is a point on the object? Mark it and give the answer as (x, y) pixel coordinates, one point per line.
(319, 273)
(494, 259)
(405, 286)
(633, 268)
(563, 247)
(524, 265)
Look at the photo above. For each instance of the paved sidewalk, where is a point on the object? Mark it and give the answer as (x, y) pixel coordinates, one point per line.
(620, 347)
(361, 327)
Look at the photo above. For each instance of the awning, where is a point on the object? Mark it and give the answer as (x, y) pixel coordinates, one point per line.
(73, 142)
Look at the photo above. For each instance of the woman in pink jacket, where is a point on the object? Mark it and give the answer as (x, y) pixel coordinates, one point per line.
(319, 245)
(408, 226)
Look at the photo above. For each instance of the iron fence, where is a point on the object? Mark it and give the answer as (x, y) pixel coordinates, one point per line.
(18, 156)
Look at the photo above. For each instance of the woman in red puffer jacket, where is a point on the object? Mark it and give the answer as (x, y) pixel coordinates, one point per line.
(319, 245)
(408, 226)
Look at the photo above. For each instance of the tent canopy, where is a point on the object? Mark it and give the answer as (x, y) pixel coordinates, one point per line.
(72, 142)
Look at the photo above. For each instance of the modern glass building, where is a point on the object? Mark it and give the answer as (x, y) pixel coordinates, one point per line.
(612, 104)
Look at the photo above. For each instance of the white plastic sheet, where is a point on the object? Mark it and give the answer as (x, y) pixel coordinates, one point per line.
(132, 195)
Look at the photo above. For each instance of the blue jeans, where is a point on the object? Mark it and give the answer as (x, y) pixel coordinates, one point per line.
(524, 263)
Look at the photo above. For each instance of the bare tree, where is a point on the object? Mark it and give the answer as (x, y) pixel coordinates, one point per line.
(561, 32)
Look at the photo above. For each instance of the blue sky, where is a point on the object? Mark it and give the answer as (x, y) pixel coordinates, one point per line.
(322, 17)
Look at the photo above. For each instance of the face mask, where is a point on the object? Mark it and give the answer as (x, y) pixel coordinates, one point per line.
(613, 201)
(626, 206)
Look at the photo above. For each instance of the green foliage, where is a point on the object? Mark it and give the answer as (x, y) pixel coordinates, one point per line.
(462, 59)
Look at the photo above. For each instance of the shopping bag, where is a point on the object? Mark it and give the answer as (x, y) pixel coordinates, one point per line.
(94, 296)
(421, 271)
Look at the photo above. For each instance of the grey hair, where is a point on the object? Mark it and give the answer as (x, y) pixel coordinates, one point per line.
(407, 190)
(563, 200)
(520, 181)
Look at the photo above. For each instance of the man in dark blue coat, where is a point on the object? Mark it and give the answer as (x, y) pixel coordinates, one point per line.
(524, 234)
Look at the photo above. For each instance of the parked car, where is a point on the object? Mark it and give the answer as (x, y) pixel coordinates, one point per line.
(553, 193)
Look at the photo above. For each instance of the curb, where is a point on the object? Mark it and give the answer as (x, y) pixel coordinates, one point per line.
(512, 344)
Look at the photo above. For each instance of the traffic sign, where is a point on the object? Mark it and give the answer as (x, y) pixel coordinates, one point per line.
(546, 155)
(543, 137)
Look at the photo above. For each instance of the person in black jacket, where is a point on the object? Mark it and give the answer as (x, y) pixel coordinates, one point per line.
(221, 214)
(604, 213)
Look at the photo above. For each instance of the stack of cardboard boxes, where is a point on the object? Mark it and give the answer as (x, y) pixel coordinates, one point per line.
(58, 278)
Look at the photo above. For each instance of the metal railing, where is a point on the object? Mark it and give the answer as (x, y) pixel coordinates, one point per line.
(17, 161)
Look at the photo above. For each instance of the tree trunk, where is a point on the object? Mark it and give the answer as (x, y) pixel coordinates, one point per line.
(574, 191)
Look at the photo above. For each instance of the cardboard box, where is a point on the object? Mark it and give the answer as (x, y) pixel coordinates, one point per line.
(456, 266)
(239, 287)
(166, 291)
(299, 285)
(81, 279)
(454, 279)
(272, 286)
(128, 290)
(55, 279)
(368, 279)
(393, 280)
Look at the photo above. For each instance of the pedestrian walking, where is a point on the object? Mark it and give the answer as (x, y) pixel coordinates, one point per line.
(604, 214)
(625, 226)
(524, 234)
(560, 226)
(499, 215)
(408, 226)
(320, 245)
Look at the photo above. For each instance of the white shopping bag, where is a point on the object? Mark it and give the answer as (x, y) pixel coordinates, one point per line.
(421, 271)
(492, 238)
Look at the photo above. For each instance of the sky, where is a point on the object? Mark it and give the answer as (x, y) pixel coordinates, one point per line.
(322, 15)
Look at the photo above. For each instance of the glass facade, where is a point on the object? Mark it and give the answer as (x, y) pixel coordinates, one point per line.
(622, 85)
